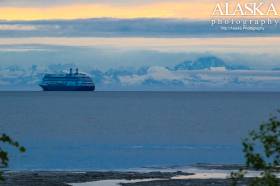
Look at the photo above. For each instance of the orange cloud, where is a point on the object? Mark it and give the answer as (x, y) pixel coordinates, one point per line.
(189, 10)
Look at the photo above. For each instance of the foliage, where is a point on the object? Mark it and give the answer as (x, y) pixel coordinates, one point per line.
(4, 156)
(237, 176)
(262, 153)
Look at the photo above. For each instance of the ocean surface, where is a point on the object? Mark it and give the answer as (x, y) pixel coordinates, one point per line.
(126, 130)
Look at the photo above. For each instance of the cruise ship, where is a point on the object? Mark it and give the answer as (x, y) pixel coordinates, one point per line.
(67, 82)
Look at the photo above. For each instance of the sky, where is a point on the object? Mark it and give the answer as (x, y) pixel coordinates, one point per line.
(70, 9)
(136, 44)
(81, 9)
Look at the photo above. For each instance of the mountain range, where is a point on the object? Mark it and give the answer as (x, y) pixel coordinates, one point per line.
(208, 72)
(208, 62)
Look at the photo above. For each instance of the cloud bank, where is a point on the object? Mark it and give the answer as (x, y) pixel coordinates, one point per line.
(203, 73)
(109, 27)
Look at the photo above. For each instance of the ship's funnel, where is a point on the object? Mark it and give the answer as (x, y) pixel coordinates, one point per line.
(71, 71)
(77, 71)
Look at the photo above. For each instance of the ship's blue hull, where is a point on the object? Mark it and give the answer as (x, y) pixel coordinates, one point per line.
(67, 82)
(67, 88)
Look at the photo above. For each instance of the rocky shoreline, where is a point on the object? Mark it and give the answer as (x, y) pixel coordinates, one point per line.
(191, 182)
(41, 178)
(158, 178)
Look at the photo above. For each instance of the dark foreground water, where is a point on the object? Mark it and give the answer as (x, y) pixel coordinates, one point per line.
(119, 130)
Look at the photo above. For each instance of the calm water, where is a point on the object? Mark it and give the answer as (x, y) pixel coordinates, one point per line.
(118, 130)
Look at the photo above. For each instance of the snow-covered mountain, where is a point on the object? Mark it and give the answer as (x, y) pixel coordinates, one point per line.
(208, 72)
(208, 62)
